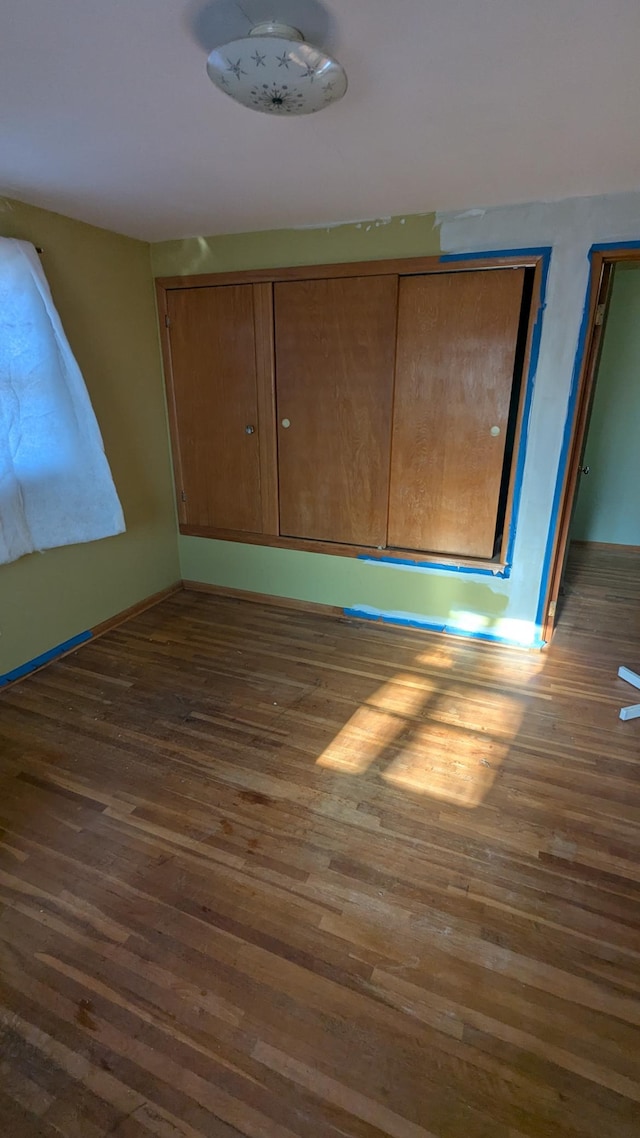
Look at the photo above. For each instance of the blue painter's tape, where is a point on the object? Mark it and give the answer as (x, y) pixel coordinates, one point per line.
(614, 245)
(408, 563)
(31, 665)
(568, 426)
(528, 400)
(564, 458)
(364, 613)
(485, 255)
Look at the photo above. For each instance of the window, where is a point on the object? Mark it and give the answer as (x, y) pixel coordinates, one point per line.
(55, 483)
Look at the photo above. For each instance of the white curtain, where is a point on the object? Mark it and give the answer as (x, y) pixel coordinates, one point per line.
(55, 484)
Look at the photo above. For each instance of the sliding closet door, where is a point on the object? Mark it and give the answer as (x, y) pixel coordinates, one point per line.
(335, 342)
(457, 337)
(213, 366)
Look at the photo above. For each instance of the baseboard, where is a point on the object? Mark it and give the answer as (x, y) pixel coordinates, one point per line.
(67, 646)
(41, 661)
(135, 610)
(263, 598)
(358, 613)
(270, 599)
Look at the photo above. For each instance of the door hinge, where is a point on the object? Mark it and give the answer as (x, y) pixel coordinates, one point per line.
(600, 311)
(183, 496)
(551, 611)
(167, 322)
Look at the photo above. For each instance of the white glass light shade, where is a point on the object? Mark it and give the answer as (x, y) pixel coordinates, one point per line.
(275, 71)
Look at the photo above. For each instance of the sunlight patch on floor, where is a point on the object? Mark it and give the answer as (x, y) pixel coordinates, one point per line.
(458, 753)
(448, 743)
(436, 657)
(376, 724)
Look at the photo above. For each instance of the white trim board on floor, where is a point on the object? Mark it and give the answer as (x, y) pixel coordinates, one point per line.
(633, 711)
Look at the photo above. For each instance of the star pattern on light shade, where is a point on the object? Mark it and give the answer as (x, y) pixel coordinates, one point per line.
(236, 68)
(276, 98)
(276, 78)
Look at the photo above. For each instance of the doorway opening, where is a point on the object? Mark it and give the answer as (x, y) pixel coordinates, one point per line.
(599, 502)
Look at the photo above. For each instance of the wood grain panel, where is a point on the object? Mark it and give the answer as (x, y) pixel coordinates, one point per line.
(213, 368)
(457, 336)
(273, 874)
(416, 556)
(266, 386)
(335, 343)
(392, 265)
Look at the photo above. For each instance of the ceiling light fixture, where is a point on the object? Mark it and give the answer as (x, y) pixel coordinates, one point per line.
(274, 70)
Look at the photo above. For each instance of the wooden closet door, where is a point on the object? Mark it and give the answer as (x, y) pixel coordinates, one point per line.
(213, 364)
(457, 337)
(335, 343)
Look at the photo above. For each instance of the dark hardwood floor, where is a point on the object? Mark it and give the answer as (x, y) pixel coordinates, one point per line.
(271, 873)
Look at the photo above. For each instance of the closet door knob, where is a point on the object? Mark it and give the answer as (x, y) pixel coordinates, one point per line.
(495, 431)
(286, 422)
(249, 430)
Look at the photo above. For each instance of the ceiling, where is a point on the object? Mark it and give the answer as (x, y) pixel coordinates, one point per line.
(107, 114)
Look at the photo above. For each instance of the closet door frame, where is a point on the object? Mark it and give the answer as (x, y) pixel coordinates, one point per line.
(537, 260)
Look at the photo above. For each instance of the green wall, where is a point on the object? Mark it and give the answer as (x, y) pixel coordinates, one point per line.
(413, 236)
(323, 578)
(340, 581)
(102, 287)
(608, 505)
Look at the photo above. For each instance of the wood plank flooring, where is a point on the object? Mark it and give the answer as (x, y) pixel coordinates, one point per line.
(272, 873)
